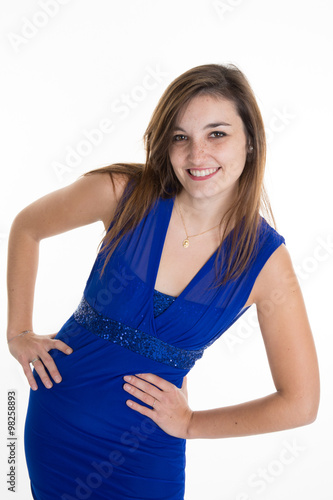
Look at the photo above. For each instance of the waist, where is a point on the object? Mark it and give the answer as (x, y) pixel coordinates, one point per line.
(133, 339)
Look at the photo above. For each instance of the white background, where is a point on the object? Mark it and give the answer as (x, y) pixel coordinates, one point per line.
(63, 77)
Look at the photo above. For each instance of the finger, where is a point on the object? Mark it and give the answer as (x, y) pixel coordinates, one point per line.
(52, 335)
(31, 379)
(39, 367)
(61, 346)
(184, 385)
(144, 386)
(52, 367)
(142, 396)
(160, 382)
(141, 409)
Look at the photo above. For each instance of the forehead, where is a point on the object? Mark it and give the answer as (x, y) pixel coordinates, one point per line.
(208, 107)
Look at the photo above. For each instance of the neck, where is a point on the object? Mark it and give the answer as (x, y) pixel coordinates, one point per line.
(203, 213)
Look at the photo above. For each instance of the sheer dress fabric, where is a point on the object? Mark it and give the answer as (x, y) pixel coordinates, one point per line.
(81, 439)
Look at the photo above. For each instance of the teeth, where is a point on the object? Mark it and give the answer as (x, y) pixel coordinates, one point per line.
(202, 173)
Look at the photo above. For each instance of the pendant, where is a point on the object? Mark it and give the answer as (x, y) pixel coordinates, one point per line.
(186, 243)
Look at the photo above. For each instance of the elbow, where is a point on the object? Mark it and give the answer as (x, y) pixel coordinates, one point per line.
(311, 404)
(313, 411)
(308, 416)
(22, 224)
(301, 411)
(307, 411)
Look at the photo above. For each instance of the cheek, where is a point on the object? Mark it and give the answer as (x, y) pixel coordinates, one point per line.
(176, 157)
(235, 156)
(233, 163)
(238, 164)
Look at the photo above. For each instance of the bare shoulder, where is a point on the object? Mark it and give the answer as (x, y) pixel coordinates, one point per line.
(106, 193)
(89, 199)
(277, 277)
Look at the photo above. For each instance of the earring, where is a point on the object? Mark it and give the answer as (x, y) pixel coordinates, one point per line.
(250, 149)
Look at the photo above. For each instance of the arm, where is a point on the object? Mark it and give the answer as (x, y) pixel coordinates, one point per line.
(87, 200)
(292, 358)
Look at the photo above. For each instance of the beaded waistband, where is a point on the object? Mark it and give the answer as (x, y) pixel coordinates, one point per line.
(133, 339)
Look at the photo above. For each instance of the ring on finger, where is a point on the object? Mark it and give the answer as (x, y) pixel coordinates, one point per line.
(35, 359)
(154, 402)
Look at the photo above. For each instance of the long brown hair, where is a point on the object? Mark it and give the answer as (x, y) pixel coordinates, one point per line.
(155, 178)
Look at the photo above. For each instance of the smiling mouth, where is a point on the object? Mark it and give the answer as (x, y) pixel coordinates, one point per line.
(208, 172)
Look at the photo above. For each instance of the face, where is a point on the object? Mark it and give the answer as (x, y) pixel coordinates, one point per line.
(209, 147)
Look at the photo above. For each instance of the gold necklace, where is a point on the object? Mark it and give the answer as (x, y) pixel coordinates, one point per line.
(186, 241)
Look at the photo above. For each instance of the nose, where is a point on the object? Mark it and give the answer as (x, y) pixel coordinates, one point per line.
(197, 152)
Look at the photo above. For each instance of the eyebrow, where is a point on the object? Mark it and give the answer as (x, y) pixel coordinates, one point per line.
(210, 125)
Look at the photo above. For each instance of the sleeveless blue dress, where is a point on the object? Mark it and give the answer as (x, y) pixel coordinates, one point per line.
(81, 439)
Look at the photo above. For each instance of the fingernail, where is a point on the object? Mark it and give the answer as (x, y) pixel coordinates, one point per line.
(69, 351)
(48, 385)
(57, 379)
(34, 387)
(128, 378)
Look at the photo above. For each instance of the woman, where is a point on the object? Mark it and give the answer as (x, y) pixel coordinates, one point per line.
(186, 253)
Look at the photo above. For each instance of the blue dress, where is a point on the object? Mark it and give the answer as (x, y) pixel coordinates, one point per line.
(81, 439)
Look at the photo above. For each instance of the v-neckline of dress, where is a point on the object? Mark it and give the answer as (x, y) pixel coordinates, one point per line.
(162, 227)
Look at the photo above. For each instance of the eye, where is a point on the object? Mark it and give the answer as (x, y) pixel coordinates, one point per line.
(178, 138)
(218, 134)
